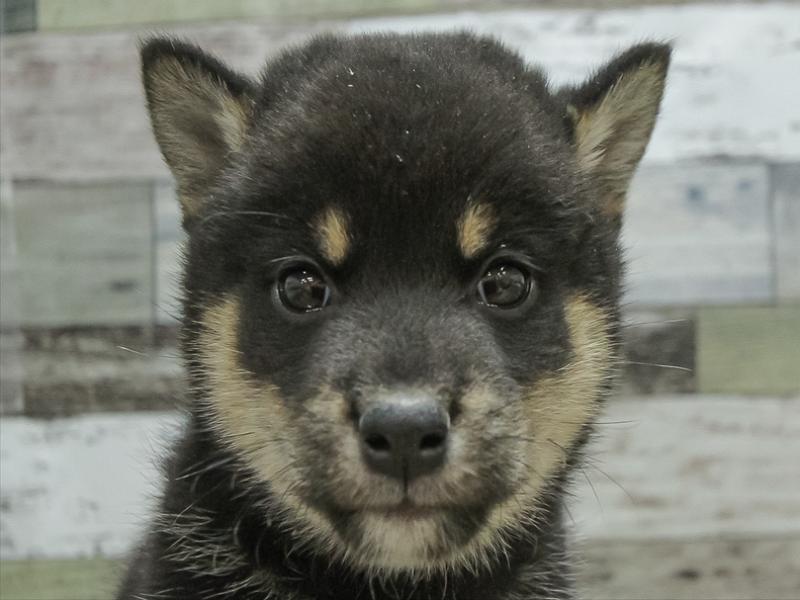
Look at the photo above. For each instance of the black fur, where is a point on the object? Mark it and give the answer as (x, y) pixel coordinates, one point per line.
(401, 133)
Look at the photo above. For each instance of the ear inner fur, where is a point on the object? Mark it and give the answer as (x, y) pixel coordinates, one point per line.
(200, 112)
(612, 125)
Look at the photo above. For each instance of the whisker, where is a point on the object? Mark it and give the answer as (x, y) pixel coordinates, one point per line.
(612, 480)
(649, 323)
(594, 491)
(132, 351)
(658, 365)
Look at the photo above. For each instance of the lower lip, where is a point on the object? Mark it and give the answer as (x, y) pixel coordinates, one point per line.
(409, 512)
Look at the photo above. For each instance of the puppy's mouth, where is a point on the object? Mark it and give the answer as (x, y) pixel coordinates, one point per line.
(406, 510)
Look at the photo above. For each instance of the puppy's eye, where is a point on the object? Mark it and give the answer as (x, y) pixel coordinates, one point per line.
(504, 285)
(303, 290)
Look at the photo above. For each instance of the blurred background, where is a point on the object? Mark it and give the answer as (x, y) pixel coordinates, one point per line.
(692, 489)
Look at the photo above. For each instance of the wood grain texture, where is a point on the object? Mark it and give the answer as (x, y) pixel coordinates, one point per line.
(17, 16)
(11, 341)
(749, 350)
(729, 568)
(69, 14)
(84, 253)
(786, 223)
(692, 466)
(699, 233)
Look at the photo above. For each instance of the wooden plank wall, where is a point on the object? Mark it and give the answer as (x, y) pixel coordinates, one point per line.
(686, 497)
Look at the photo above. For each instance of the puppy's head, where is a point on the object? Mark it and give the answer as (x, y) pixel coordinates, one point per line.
(402, 277)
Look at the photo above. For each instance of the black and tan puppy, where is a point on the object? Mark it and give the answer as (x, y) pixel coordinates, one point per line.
(400, 318)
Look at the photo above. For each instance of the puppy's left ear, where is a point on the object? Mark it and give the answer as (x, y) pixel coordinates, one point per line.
(200, 111)
(611, 117)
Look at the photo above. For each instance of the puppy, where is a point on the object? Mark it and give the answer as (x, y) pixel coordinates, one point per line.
(401, 314)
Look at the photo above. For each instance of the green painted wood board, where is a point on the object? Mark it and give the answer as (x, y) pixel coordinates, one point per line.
(84, 253)
(79, 579)
(70, 14)
(748, 350)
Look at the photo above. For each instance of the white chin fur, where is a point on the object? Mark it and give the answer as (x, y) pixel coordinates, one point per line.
(399, 544)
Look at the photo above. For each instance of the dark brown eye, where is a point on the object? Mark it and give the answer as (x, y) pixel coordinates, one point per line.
(303, 290)
(504, 285)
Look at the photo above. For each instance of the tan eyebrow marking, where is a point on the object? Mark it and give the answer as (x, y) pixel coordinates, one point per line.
(474, 228)
(332, 235)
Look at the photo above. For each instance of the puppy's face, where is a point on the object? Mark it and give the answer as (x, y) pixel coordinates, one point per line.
(402, 278)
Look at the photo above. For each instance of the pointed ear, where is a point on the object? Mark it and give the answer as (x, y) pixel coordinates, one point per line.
(612, 115)
(200, 111)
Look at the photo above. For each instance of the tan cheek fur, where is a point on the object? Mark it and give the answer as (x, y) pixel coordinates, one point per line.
(249, 416)
(559, 405)
(333, 236)
(474, 228)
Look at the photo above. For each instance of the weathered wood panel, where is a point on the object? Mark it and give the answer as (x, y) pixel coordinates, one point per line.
(72, 106)
(786, 211)
(731, 568)
(699, 234)
(81, 579)
(17, 16)
(84, 253)
(78, 487)
(114, 369)
(690, 467)
(749, 350)
(67, 14)
(11, 374)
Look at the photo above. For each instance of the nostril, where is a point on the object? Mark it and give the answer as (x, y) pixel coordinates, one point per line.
(432, 441)
(378, 443)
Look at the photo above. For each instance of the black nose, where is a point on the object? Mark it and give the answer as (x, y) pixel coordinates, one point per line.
(404, 436)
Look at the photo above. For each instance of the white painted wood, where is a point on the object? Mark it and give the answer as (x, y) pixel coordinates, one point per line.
(692, 467)
(73, 108)
(689, 466)
(699, 234)
(11, 373)
(733, 568)
(78, 487)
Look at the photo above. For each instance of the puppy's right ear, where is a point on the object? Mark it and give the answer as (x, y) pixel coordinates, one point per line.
(200, 111)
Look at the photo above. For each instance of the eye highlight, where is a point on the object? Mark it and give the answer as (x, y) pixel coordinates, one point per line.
(505, 285)
(303, 289)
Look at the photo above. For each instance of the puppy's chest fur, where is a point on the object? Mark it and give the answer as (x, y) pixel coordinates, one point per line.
(401, 299)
